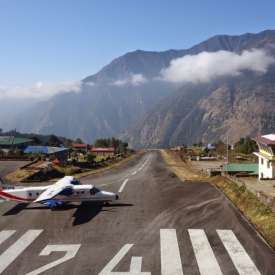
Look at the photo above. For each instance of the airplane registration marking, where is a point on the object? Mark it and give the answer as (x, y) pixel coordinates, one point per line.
(7, 257)
(123, 185)
(135, 267)
(170, 254)
(70, 249)
(237, 253)
(205, 257)
(5, 234)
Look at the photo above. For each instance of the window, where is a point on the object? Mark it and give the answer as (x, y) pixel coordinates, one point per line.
(94, 190)
(30, 194)
(37, 194)
(82, 192)
(262, 161)
(268, 164)
(75, 182)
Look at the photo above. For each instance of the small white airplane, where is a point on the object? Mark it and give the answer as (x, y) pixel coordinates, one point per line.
(66, 190)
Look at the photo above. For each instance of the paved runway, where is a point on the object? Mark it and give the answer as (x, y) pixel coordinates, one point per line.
(160, 226)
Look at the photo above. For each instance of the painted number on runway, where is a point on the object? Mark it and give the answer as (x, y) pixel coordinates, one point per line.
(70, 249)
(170, 257)
(20, 245)
(171, 263)
(135, 266)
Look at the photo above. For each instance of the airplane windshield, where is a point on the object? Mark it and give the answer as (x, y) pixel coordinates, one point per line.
(94, 190)
(75, 182)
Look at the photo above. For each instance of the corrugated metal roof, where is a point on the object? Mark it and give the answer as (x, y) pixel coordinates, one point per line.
(79, 145)
(242, 167)
(103, 149)
(48, 150)
(10, 140)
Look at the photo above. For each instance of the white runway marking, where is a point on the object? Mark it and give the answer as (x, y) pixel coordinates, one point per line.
(7, 257)
(70, 249)
(238, 255)
(205, 257)
(135, 267)
(136, 263)
(134, 173)
(5, 234)
(107, 270)
(123, 185)
(170, 254)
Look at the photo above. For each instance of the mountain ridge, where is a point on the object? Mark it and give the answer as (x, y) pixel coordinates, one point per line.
(126, 91)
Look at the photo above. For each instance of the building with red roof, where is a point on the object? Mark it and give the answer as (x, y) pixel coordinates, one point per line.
(103, 151)
(80, 147)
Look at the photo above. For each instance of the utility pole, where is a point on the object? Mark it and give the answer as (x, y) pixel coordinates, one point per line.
(227, 150)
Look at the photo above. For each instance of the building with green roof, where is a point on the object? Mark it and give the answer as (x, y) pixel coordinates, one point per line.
(242, 168)
(11, 142)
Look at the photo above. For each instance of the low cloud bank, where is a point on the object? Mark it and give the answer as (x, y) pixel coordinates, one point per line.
(40, 90)
(134, 79)
(206, 66)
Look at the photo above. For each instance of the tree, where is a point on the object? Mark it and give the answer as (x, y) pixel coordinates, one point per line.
(36, 140)
(220, 147)
(246, 146)
(54, 141)
(79, 141)
(90, 157)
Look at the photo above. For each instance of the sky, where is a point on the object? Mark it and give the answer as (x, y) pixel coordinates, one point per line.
(66, 40)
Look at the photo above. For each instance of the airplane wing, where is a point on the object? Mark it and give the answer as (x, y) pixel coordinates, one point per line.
(52, 192)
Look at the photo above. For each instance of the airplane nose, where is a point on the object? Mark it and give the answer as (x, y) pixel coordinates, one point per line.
(117, 197)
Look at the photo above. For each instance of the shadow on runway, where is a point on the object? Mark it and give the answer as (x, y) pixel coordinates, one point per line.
(87, 211)
(84, 212)
(16, 209)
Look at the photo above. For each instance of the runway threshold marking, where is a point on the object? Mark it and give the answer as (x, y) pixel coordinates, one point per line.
(123, 185)
(170, 254)
(237, 253)
(5, 234)
(205, 257)
(7, 257)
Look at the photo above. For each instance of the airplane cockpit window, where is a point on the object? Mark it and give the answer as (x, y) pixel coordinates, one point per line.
(94, 190)
(75, 182)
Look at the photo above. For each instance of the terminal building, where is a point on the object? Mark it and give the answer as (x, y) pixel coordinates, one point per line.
(266, 156)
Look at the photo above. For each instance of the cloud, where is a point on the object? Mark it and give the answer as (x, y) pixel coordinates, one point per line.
(207, 66)
(39, 90)
(134, 79)
(90, 83)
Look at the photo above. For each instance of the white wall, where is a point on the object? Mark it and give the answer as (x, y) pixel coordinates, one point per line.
(265, 171)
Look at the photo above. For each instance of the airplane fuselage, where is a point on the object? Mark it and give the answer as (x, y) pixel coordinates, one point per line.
(76, 193)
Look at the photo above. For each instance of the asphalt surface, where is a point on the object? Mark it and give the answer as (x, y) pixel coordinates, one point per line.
(9, 166)
(160, 225)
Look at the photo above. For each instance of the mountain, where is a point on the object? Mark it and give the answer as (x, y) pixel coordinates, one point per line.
(232, 106)
(127, 96)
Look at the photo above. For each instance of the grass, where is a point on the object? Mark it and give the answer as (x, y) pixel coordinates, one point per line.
(181, 168)
(68, 170)
(258, 213)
